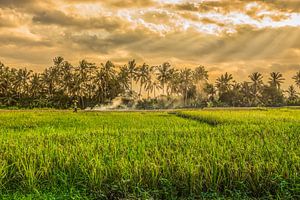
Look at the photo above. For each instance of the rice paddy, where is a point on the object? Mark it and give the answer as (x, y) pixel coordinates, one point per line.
(186, 154)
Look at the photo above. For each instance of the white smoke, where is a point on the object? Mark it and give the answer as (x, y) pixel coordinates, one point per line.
(115, 104)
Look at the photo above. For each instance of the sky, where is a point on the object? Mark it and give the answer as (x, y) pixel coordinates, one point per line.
(237, 36)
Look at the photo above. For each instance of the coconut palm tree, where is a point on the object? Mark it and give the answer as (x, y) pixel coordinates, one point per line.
(246, 95)
(211, 91)
(186, 82)
(256, 85)
(48, 78)
(297, 79)
(132, 72)
(200, 74)
(67, 79)
(106, 74)
(35, 85)
(123, 78)
(174, 83)
(143, 74)
(256, 79)
(223, 83)
(276, 79)
(163, 74)
(292, 93)
(22, 82)
(85, 75)
(156, 86)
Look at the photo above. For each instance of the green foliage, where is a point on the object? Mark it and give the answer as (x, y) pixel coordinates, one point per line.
(207, 154)
(59, 85)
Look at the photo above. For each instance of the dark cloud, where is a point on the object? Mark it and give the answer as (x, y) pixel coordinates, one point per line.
(119, 40)
(15, 3)
(60, 18)
(284, 5)
(17, 40)
(233, 5)
(128, 3)
(277, 67)
(33, 32)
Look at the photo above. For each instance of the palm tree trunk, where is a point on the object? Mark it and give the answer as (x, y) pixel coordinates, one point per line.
(131, 83)
(140, 90)
(185, 97)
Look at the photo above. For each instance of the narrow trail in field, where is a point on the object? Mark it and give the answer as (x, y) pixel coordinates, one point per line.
(199, 119)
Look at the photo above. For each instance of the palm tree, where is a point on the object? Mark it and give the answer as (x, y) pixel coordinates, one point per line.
(211, 91)
(132, 71)
(84, 73)
(156, 86)
(123, 78)
(186, 81)
(106, 74)
(163, 75)
(35, 85)
(276, 79)
(48, 78)
(256, 84)
(223, 83)
(174, 82)
(67, 78)
(21, 82)
(293, 95)
(7, 87)
(256, 79)
(149, 87)
(143, 74)
(200, 74)
(297, 78)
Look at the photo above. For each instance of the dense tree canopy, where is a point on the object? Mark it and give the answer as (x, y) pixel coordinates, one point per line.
(163, 86)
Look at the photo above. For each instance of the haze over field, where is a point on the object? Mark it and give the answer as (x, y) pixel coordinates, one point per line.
(235, 36)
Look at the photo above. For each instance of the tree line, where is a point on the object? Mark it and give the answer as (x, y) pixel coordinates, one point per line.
(142, 86)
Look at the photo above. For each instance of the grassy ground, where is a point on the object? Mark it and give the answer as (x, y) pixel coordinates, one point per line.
(177, 155)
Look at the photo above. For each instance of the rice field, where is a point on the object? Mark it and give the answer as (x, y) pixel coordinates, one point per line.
(186, 154)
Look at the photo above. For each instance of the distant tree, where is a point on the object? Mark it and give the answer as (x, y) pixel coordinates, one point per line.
(124, 79)
(62, 84)
(211, 91)
(186, 82)
(224, 85)
(21, 83)
(256, 85)
(84, 72)
(155, 86)
(292, 93)
(246, 94)
(200, 74)
(164, 75)
(132, 72)
(106, 75)
(272, 96)
(142, 75)
(174, 83)
(297, 79)
(35, 85)
(276, 79)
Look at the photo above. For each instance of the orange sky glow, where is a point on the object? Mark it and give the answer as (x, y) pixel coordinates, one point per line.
(238, 36)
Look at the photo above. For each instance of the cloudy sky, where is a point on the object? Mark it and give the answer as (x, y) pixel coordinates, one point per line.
(238, 36)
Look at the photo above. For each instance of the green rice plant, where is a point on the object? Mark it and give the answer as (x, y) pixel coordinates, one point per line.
(160, 155)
